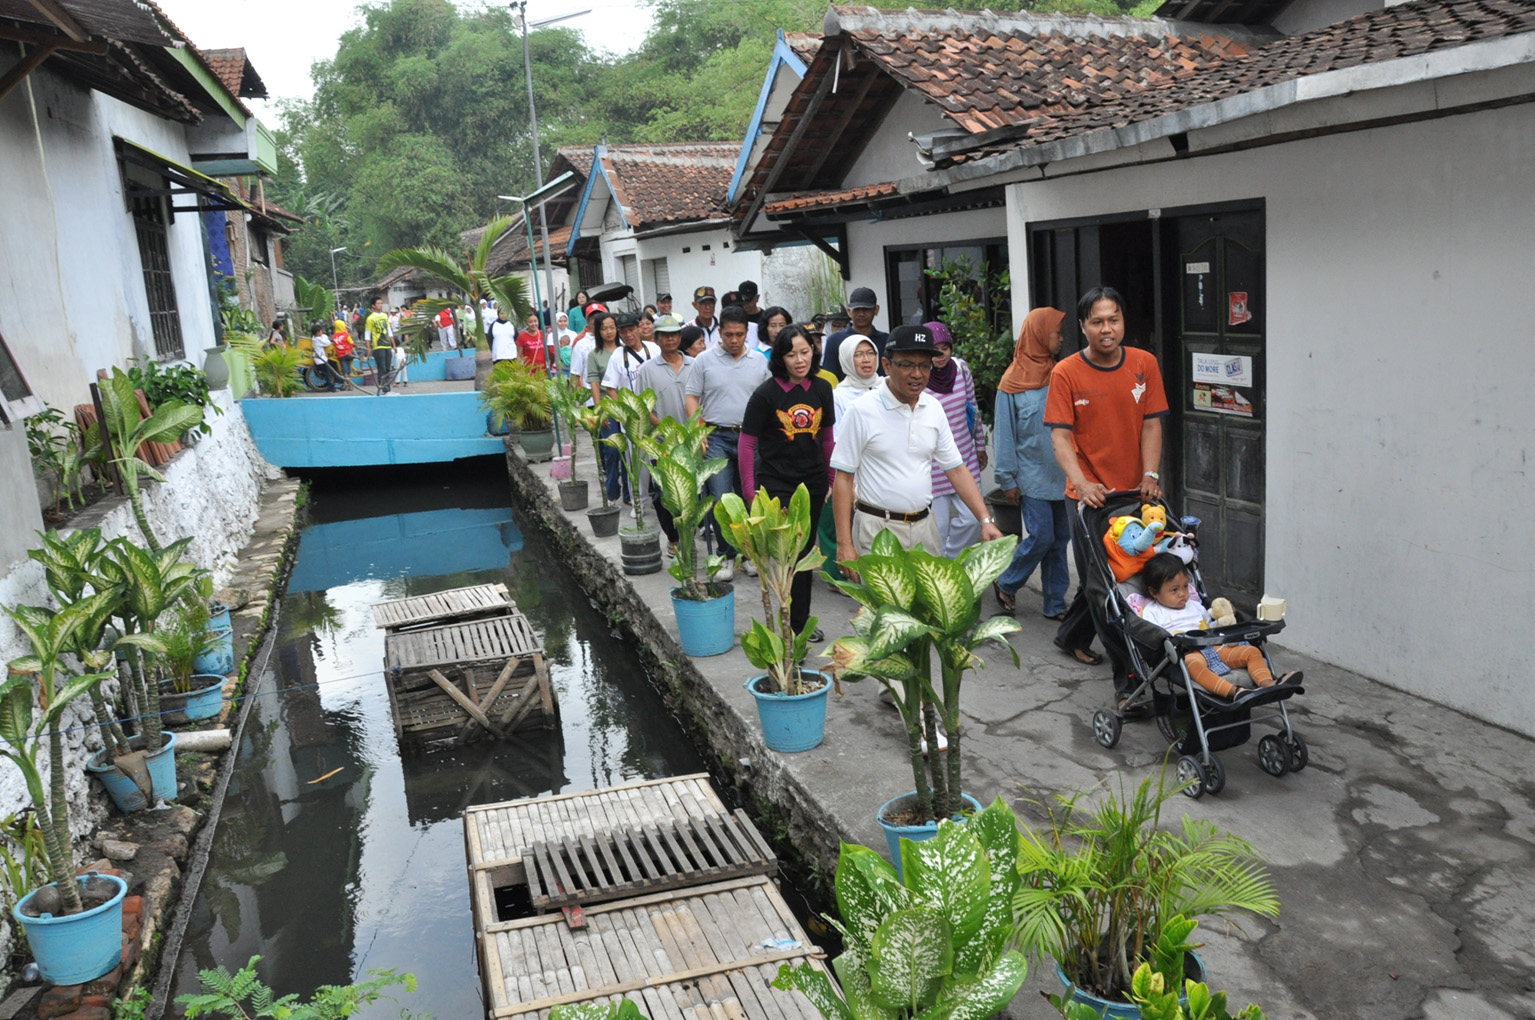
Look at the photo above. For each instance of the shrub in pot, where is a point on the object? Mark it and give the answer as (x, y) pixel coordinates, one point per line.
(603, 519)
(516, 395)
(1106, 888)
(916, 605)
(791, 701)
(681, 468)
(931, 944)
(1157, 999)
(641, 543)
(570, 407)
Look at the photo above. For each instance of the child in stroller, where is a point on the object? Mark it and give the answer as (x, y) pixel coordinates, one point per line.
(1175, 607)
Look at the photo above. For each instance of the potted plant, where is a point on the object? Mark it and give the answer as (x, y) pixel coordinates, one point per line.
(604, 518)
(73, 924)
(190, 690)
(516, 396)
(129, 430)
(791, 700)
(1155, 996)
(640, 546)
(1103, 887)
(931, 942)
(916, 604)
(705, 608)
(570, 406)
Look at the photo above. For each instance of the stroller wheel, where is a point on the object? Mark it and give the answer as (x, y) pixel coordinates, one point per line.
(1106, 727)
(1298, 755)
(1274, 756)
(1215, 775)
(1191, 775)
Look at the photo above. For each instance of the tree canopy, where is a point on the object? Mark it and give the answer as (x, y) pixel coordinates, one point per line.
(420, 119)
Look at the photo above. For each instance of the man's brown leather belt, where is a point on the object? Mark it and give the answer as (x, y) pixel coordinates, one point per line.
(891, 515)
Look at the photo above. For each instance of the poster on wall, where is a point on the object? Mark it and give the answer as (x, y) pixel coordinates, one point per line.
(1238, 311)
(1222, 383)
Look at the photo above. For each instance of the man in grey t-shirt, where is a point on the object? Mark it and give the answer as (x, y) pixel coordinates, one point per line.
(719, 383)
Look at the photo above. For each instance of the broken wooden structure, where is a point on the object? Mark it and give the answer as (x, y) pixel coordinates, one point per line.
(652, 890)
(463, 664)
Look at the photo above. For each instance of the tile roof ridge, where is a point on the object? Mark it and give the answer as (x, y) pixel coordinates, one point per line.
(846, 20)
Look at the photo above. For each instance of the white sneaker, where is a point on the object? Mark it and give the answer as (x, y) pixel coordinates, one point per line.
(727, 572)
(749, 567)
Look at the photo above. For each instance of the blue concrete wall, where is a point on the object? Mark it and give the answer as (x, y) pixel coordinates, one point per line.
(422, 544)
(355, 431)
(432, 369)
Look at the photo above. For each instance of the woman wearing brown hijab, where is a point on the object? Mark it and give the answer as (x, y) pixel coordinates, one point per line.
(1027, 473)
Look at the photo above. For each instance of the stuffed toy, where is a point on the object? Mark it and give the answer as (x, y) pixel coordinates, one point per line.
(1131, 541)
(1137, 535)
(1222, 612)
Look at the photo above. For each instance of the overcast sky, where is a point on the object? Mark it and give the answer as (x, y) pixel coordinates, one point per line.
(283, 37)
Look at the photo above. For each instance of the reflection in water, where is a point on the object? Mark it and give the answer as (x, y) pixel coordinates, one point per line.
(335, 855)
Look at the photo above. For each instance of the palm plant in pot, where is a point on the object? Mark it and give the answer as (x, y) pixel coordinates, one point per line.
(185, 633)
(930, 943)
(916, 605)
(570, 407)
(791, 700)
(1105, 888)
(516, 396)
(705, 608)
(74, 925)
(641, 544)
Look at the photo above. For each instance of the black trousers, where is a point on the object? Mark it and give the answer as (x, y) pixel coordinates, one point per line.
(383, 363)
(1085, 617)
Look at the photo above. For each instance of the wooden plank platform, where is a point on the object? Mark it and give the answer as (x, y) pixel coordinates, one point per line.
(707, 952)
(496, 638)
(443, 606)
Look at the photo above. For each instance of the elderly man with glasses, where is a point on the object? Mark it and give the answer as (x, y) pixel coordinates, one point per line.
(885, 450)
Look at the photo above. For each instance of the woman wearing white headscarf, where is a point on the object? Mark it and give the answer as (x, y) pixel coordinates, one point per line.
(860, 374)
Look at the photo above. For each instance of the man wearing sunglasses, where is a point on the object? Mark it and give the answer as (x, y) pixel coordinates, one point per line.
(885, 451)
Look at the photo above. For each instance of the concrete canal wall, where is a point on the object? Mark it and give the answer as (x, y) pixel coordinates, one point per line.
(212, 492)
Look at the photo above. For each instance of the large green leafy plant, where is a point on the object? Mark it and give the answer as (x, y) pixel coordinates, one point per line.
(471, 278)
(1104, 885)
(129, 430)
(772, 536)
(519, 394)
(243, 996)
(916, 604)
(1161, 991)
(932, 944)
(632, 412)
(682, 466)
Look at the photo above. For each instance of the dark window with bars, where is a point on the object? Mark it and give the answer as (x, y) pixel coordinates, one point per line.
(159, 285)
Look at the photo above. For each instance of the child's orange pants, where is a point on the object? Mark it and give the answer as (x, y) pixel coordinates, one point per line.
(1248, 657)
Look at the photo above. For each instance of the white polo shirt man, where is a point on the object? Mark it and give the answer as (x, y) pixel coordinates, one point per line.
(886, 447)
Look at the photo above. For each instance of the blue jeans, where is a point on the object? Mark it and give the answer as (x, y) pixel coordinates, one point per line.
(615, 478)
(1049, 533)
(723, 444)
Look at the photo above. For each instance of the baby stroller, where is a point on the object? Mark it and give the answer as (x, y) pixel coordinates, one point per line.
(1198, 722)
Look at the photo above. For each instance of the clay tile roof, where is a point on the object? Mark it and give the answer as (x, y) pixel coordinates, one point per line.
(233, 69)
(804, 44)
(1406, 30)
(809, 200)
(511, 251)
(679, 182)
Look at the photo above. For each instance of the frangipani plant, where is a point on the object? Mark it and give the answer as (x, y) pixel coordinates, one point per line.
(681, 468)
(932, 944)
(632, 412)
(915, 603)
(771, 536)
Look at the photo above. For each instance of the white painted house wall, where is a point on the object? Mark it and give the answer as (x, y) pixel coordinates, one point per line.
(1399, 380)
(890, 154)
(72, 296)
(697, 258)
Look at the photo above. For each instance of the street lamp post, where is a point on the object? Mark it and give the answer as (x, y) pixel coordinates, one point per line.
(333, 287)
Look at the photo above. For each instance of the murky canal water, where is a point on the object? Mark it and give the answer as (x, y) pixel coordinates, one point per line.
(335, 854)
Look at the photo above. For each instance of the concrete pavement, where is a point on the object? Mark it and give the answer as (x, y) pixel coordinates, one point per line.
(1404, 853)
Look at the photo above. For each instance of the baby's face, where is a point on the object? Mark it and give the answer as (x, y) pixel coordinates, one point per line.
(1175, 593)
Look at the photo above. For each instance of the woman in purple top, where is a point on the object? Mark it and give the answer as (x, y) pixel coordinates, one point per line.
(952, 385)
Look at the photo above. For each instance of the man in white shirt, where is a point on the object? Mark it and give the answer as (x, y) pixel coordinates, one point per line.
(887, 447)
(704, 303)
(719, 384)
(502, 335)
(630, 357)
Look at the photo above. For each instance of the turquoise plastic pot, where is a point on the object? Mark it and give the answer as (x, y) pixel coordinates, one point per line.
(915, 833)
(1193, 969)
(76, 948)
(795, 723)
(708, 627)
(124, 792)
(218, 659)
(218, 617)
(202, 702)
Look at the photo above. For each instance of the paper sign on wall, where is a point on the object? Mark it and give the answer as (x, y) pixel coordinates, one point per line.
(1239, 312)
(1195, 268)
(1225, 369)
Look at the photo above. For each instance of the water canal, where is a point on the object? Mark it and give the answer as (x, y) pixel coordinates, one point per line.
(336, 854)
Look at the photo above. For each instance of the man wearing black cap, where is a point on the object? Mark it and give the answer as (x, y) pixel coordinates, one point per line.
(862, 308)
(664, 304)
(703, 303)
(886, 445)
(748, 291)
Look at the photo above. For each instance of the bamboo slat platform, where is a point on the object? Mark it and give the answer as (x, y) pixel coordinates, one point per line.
(443, 606)
(469, 678)
(700, 952)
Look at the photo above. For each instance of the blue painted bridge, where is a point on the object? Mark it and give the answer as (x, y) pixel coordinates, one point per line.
(343, 430)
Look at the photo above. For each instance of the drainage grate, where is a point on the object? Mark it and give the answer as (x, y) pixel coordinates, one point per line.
(614, 865)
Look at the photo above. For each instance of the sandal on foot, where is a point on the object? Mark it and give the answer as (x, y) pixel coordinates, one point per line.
(1005, 600)
(1057, 617)
(1082, 655)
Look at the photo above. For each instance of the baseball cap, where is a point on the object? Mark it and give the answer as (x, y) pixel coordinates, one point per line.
(748, 288)
(664, 297)
(595, 307)
(862, 297)
(626, 319)
(733, 297)
(703, 294)
(812, 327)
(912, 339)
(669, 324)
